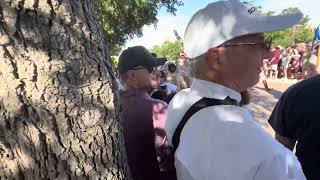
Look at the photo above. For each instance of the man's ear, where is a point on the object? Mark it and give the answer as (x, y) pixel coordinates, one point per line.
(213, 58)
(131, 75)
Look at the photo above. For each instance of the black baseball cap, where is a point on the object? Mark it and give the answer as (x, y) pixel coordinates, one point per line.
(138, 56)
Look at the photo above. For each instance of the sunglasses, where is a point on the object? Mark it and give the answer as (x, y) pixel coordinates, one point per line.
(266, 44)
(149, 69)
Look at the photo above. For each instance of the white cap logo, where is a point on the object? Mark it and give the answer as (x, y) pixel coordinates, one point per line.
(252, 9)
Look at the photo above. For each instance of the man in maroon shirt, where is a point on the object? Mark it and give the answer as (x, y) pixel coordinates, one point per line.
(277, 56)
(149, 155)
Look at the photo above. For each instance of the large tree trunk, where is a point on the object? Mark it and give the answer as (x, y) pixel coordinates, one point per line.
(58, 106)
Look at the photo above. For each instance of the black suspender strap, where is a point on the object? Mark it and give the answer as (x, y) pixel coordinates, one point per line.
(202, 103)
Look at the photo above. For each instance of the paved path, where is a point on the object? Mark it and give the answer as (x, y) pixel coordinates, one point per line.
(263, 102)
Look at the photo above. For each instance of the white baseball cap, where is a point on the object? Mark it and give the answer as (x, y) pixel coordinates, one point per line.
(224, 20)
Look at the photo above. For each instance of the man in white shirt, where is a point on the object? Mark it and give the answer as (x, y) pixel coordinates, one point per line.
(226, 44)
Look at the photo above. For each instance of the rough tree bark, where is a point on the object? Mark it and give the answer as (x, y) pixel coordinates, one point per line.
(57, 114)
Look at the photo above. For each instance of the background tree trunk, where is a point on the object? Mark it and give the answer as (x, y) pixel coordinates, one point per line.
(58, 106)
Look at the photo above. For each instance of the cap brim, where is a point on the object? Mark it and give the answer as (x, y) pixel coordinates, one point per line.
(273, 23)
(155, 62)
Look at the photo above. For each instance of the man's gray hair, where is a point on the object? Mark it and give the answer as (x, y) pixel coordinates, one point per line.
(198, 66)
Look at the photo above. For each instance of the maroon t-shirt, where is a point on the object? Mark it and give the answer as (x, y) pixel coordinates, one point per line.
(148, 152)
(276, 56)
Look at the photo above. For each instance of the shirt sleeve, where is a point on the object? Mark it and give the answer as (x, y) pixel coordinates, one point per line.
(282, 167)
(164, 151)
(286, 118)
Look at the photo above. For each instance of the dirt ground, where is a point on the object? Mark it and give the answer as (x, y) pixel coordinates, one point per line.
(263, 102)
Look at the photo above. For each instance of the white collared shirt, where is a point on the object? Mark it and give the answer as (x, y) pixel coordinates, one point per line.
(225, 142)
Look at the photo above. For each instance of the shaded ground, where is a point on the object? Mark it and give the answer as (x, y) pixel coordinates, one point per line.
(263, 102)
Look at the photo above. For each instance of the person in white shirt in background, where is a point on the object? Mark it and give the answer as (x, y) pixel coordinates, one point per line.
(226, 45)
(311, 67)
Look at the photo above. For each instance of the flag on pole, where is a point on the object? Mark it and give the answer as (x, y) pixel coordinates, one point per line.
(316, 41)
(316, 38)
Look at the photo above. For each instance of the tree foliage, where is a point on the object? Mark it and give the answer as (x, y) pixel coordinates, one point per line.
(115, 60)
(122, 19)
(301, 32)
(168, 49)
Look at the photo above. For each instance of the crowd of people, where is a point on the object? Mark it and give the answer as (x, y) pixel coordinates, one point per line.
(292, 62)
(188, 120)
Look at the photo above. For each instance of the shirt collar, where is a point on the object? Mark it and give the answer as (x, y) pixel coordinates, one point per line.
(210, 89)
